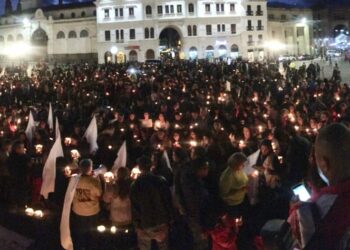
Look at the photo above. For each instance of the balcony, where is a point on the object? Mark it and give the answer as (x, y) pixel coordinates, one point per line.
(249, 13)
(259, 27)
(250, 28)
(120, 41)
(259, 13)
(250, 43)
(260, 42)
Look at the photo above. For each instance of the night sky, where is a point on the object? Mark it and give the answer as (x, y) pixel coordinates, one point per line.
(301, 3)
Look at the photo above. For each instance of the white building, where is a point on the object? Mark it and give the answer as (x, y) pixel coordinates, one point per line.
(118, 31)
(289, 31)
(55, 33)
(141, 30)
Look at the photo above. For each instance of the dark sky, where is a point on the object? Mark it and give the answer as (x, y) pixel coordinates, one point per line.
(301, 3)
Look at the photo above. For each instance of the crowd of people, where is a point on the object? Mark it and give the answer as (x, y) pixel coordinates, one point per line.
(191, 130)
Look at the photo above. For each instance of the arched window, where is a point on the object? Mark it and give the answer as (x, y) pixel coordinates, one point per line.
(108, 57)
(193, 53)
(152, 32)
(72, 34)
(61, 16)
(84, 33)
(60, 35)
(19, 37)
(72, 15)
(194, 30)
(150, 55)
(222, 50)
(10, 38)
(234, 48)
(146, 33)
(148, 10)
(191, 8)
(2, 39)
(133, 56)
(189, 30)
(83, 14)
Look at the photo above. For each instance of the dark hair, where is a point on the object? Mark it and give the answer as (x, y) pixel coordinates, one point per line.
(181, 154)
(200, 163)
(85, 165)
(16, 145)
(144, 163)
(122, 184)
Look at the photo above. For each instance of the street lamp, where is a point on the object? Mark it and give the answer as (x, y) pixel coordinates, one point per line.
(114, 50)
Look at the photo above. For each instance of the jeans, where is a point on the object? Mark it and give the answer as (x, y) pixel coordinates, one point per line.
(83, 229)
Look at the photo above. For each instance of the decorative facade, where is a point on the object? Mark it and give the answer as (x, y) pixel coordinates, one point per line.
(130, 30)
(188, 29)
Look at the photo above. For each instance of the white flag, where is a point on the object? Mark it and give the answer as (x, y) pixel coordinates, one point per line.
(251, 161)
(165, 157)
(91, 135)
(228, 86)
(30, 127)
(49, 171)
(50, 117)
(120, 161)
(57, 129)
(66, 239)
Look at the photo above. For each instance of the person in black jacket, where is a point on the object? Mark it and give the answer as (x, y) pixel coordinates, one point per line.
(152, 209)
(19, 166)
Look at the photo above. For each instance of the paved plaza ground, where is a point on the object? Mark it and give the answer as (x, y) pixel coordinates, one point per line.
(327, 68)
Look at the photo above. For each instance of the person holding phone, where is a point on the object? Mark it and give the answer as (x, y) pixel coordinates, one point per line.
(324, 221)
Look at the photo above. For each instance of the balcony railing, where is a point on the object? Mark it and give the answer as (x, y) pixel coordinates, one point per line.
(259, 27)
(250, 28)
(259, 13)
(120, 41)
(250, 43)
(249, 12)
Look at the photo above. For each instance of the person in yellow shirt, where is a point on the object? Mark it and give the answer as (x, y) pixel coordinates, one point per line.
(233, 185)
(85, 207)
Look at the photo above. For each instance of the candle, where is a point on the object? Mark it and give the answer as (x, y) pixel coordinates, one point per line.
(109, 177)
(296, 127)
(67, 141)
(280, 158)
(241, 143)
(122, 130)
(113, 229)
(29, 211)
(38, 213)
(135, 172)
(255, 174)
(38, 148)
(193, 143)
(110, 147)
(260, 128)
(75, 154)
(101, 228)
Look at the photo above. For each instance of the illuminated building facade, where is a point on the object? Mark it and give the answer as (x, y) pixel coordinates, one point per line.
(188, 29)
(64, 33)
(130, 30)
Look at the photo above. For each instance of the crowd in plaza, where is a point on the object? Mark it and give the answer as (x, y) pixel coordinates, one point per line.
(213, 149)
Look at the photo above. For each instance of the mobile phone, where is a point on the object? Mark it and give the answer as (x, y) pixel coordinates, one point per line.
(301, 191)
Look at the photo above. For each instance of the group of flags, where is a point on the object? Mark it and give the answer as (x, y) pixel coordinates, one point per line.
(49, 170)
